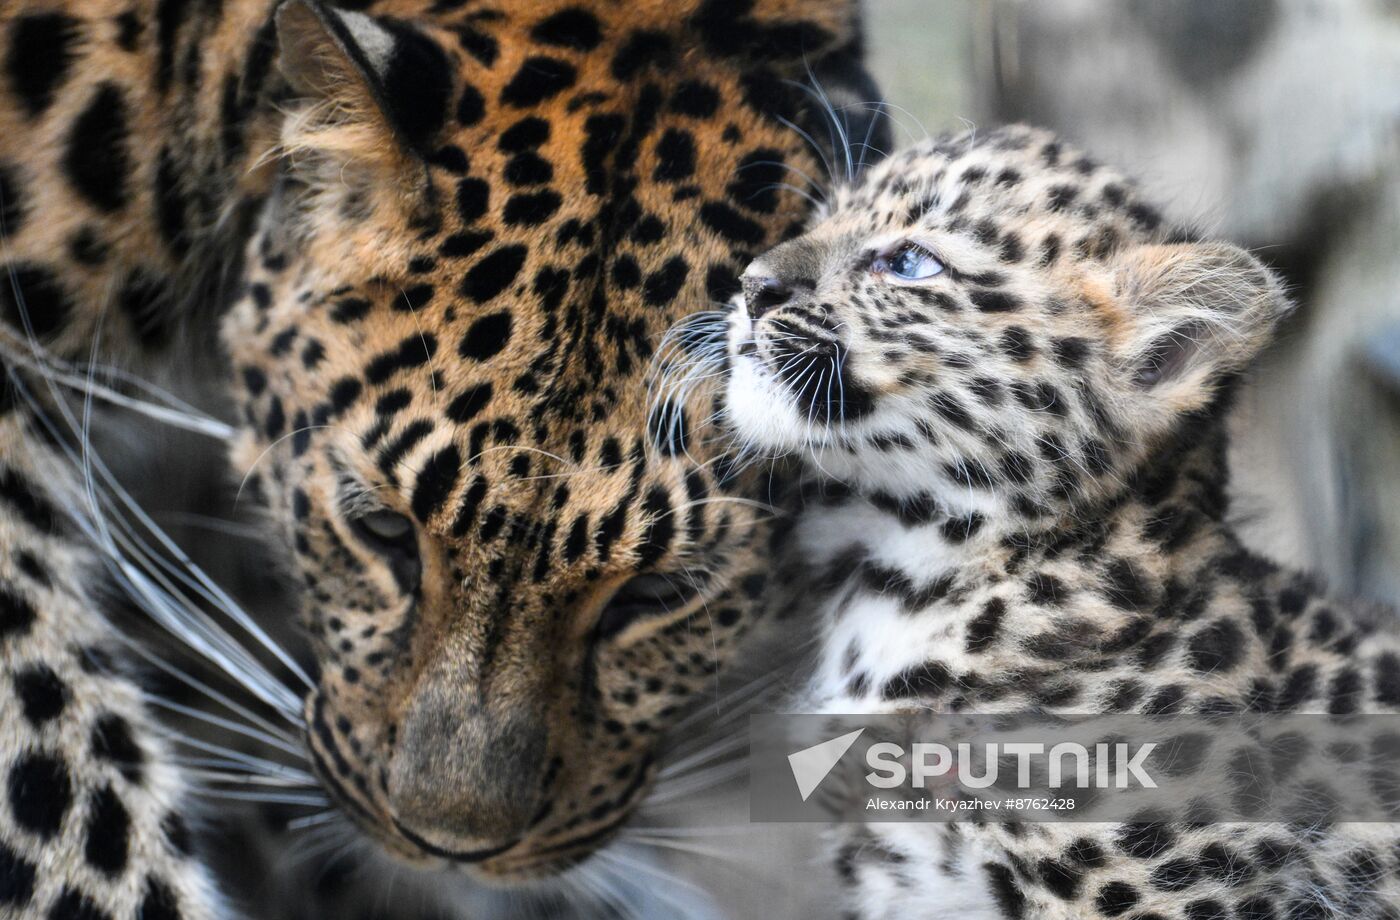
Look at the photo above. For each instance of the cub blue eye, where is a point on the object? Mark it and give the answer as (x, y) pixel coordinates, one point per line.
(912, 262)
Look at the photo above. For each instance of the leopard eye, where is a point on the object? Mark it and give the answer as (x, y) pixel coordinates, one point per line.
(394, 537)
(386, 526)
(910, 262)
(649, 594)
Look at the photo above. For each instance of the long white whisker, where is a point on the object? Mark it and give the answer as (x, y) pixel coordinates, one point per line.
(185, 418)
(267, 798)
(151, 591)
(279, 740)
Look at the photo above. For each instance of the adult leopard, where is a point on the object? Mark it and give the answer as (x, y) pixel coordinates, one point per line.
(442, 239)
(1009, 375)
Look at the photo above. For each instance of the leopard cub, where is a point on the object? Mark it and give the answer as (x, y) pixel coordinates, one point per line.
(1007, 377)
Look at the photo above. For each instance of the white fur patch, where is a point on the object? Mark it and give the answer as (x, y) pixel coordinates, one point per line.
(758, 408)
(375, 43)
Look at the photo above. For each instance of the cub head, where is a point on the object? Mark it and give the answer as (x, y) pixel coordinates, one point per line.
(483, 222)
(992, 324)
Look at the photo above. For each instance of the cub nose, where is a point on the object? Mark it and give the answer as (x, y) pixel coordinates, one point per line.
(763, 293)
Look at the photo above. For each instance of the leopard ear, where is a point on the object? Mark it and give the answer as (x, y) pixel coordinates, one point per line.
(379, 89)
(1196, 315)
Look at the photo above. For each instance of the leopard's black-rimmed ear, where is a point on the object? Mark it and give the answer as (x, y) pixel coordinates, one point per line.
(1194, 315)
(378, 86)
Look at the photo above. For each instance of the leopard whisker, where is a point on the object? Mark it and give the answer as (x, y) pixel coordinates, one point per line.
(723, 748)
(699, 781)
(788, 186)
(727, 500)
(602, 890)
(685, 832)
(814, 186)
(317, 820)
(213, 524)
(836, 127)
(883, 107)
(243, 483)
(327, 836)
(243, 759)
(175, 413)
(196, 629)
(148, 594)
(681, 846)
(154, 574)
(841, 383)
(631, 864)
(262, 798)
(423, 340)
(243, 779)
(278, 739)
(265, 770)
(741, 698)
(526, 448)
(865, 145)
(811, 142)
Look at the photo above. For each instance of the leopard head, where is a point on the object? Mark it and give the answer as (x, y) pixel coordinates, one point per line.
(483, 222)
(992, 327)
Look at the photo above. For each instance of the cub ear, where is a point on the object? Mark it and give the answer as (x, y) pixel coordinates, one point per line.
(380, 88)
(1197, 313)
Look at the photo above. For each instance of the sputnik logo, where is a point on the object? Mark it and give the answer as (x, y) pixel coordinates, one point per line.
(811, 765)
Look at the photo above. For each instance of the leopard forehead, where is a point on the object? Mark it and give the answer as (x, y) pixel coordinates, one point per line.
(1039, 200)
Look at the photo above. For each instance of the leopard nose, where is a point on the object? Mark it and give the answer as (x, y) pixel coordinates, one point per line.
(460, 772)
(764, 293)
